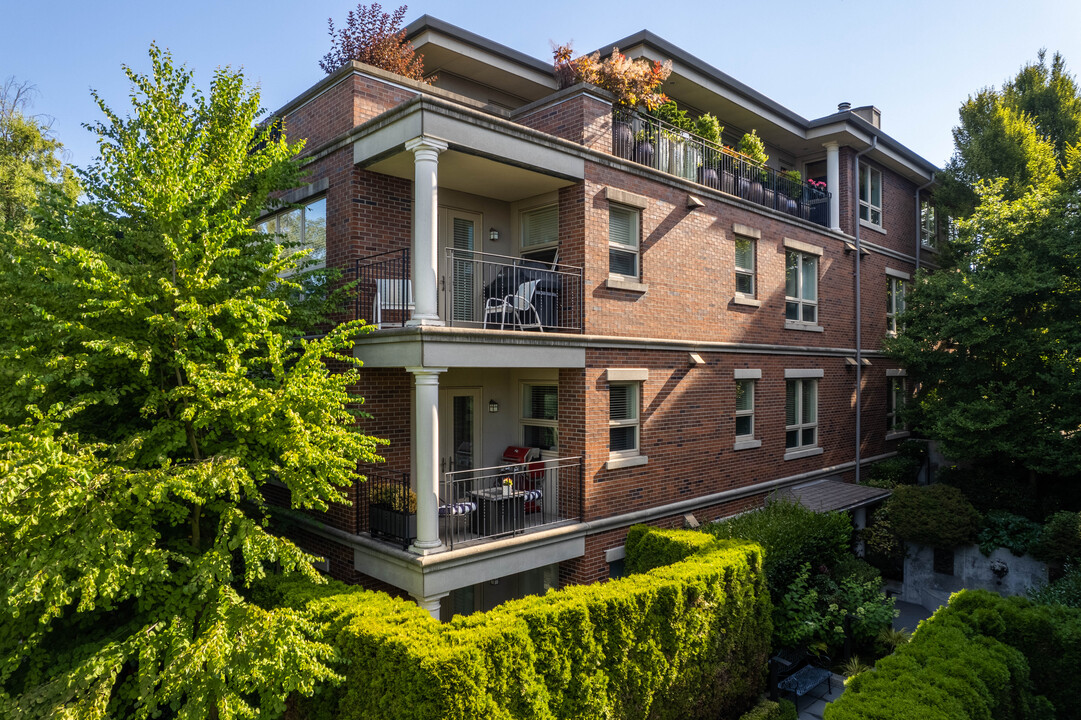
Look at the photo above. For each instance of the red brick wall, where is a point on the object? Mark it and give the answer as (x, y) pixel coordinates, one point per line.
(353, 100)
(582, 119)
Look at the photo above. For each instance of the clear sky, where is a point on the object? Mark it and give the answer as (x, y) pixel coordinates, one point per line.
(916, 60)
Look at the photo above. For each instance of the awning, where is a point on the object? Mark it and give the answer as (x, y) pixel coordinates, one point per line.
(829, 495)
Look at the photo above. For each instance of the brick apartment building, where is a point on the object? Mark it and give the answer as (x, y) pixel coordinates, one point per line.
(676, 333)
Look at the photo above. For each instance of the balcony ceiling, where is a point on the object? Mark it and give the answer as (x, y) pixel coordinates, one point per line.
(477, 175)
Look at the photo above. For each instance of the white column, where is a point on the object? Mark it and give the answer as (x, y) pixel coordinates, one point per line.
(833, 183)
(430, 603)
(426, 458)
(425, 229)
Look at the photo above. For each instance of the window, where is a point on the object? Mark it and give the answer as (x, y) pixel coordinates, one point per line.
(801, 287)
(801, 413)
(623, 241)
(301, 229)
(623, 419)
(540, 416)
(540, 233)
(745, 248)
(744, 409)
(928, 226)
(870, 195)
(895, 302)
(896, 396)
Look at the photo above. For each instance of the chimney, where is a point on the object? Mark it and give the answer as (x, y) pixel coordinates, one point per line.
(871, 114)
(844, 107)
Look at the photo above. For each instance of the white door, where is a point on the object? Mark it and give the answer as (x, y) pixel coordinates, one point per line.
(459, 230)
(460, 429)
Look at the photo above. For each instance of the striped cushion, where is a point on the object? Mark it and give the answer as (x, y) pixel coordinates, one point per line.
(462, 508)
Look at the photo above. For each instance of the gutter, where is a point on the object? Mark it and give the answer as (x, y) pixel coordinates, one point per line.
(859, 308)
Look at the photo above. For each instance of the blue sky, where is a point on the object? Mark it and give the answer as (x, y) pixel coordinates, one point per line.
(916, 60)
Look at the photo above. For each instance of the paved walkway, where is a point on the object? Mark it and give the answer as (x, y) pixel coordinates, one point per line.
(909, 616)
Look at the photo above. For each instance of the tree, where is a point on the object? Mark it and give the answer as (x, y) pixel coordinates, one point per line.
(376, 38)
(151, 390)
(30, 162)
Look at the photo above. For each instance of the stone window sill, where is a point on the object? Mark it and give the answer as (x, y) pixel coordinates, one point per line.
(748, 301)
(802, 453)
(870, 226)
(747, 444)
(805, 327)
(614, 463)
(614, 282)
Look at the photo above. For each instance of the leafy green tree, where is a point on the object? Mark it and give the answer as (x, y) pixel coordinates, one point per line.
(30, 163)
(152, 388)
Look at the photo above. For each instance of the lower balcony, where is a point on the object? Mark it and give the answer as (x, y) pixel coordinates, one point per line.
(477, 290)
(476, 505)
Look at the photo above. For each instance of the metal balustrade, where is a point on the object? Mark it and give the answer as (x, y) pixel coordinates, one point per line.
(492, 502)
(384, 292)
(657, 144)
(511, 293)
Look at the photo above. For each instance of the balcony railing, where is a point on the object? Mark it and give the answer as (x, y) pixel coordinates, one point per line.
(390, 506)
(384, 293)
(511, 293)
(480, 504)
(662, 146)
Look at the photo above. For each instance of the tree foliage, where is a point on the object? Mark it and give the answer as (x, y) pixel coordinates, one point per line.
(30, 162)
(375, 38)
(151, 389)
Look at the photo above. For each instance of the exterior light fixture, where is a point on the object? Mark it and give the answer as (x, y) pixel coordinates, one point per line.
(493, 234)
(493, 406)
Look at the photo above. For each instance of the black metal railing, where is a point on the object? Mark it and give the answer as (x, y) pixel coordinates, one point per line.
(384, 291)
(508, 499)
(650, 141)
(390, 505)
(511, 293)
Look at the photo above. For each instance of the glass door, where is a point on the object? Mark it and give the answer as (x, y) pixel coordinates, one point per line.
(459, 230)
(459, 422)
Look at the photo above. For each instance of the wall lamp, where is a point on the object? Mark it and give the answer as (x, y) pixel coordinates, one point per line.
(493, 234)
(493, 406)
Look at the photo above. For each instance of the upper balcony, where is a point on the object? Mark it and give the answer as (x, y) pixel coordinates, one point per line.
(654, 143)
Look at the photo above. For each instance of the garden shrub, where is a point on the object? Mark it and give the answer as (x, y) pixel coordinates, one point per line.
(1064, 591)
(813, 612)
(770, 710)
(649, 547)
(994, 487)
(688, 640)
(882, 549)
(1060, 538)
(892, 472)
(1006, 530)
(981, 656)
(791, 535)
(935, 515)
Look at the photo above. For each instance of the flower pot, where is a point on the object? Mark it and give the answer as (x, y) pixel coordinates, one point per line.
(671, 155)
(393, 524)
(643, 152)
(708, 176)
(791, 206)
(768, 198)
(622, 139)
(756, 192)
(728, 182)
(507, 490)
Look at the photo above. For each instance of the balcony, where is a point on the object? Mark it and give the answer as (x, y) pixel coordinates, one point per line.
(476, 505)
(652, 142)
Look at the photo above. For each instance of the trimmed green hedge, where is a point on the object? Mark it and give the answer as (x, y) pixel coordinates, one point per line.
(689, 640)
(770, 710)
(649, 547)
(982, 656)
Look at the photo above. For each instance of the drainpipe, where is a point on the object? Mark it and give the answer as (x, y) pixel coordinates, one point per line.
(919, 220)
(859, 307)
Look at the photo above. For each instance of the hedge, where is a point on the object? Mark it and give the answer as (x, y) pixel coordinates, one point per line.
(770, 710)
(982, 656)
(689, 640)
(649, 547)
(935, 515)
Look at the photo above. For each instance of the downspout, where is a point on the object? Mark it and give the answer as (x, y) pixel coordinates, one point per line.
(919, 218)
(859, 309)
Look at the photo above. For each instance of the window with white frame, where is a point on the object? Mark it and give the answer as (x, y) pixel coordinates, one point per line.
(801, 413)
(623, 232)
(540, 233)
(745, 253)
(896, 397)
(870, 195)
(302, 228)
(623, 420)
(895, 302)
(744, 409)
(540, 416)
(928, 226)
(801, 286)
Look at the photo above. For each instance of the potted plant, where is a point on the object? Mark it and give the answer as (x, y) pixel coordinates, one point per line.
(508, 486)
(643, 147)
(792, 186)
(751, 146)
(673, 135)
(392, 512)
(622, 133)
(709, 129)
